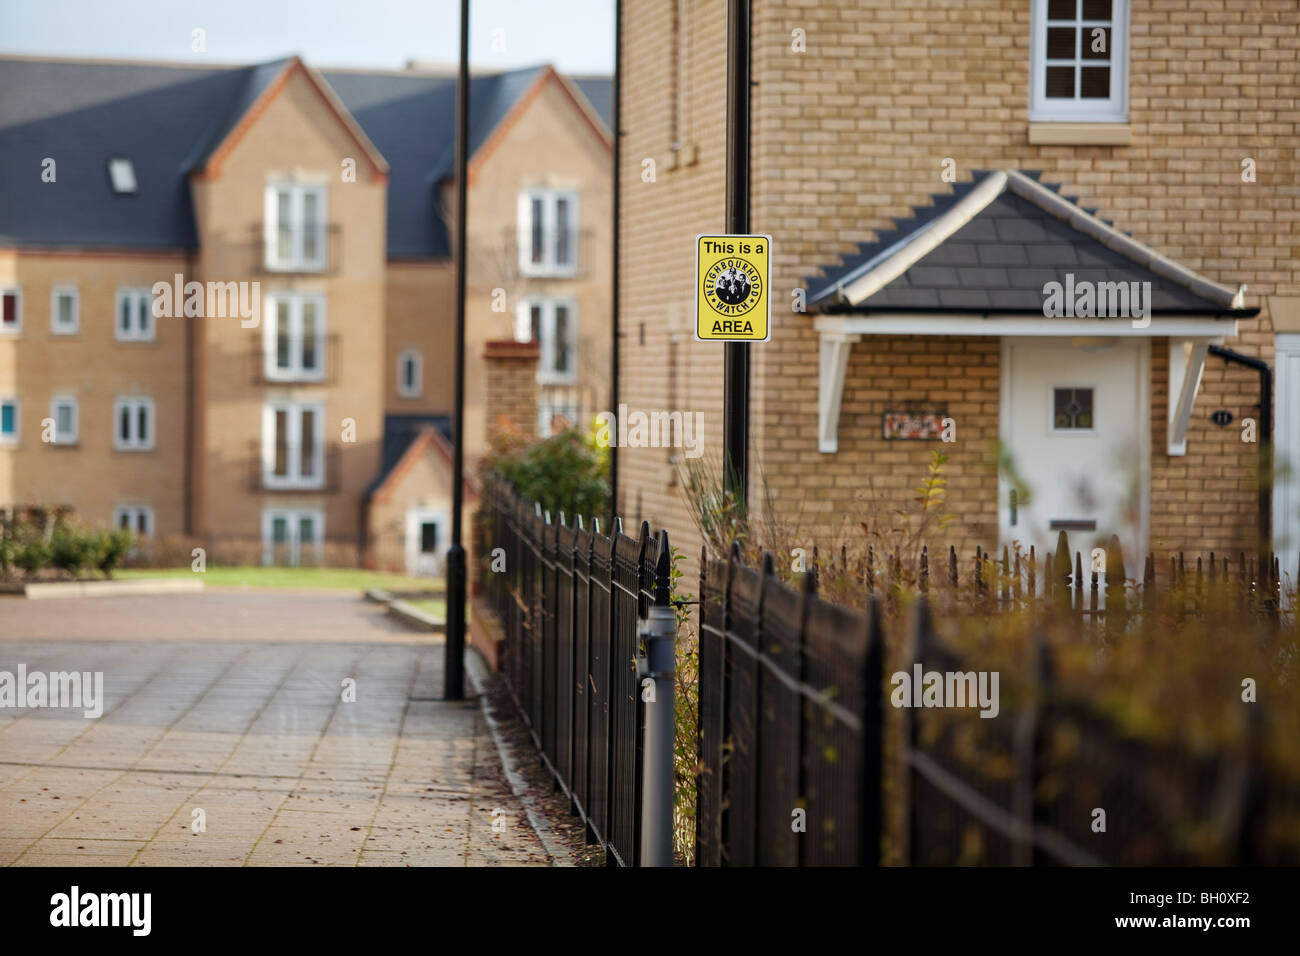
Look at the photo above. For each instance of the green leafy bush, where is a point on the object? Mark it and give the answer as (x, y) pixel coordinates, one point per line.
(111, 546)
(567, 472)
(32, 554)
(72, 549)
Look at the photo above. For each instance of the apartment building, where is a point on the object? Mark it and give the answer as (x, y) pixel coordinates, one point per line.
(927, 172)
(228, 293)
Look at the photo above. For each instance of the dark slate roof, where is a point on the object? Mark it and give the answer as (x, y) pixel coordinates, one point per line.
(1000, 260)
(169, 119)
(411, 119)
(399, 432)
(599, 91)
(82, 114)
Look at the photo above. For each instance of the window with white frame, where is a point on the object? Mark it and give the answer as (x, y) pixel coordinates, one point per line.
(11, 310)
(553, 325)
(410, 373)
(10, 417)
(293, 445)
(133, 423)
(1079, 57)
(294, 337)
(294, 227)
(548, 232)
(63, 412)
(554, 417)
(137, 518)
(134, 316)
(65, 310)
(292, 536)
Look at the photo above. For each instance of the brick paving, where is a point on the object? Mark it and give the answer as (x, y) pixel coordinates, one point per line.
(231, 702)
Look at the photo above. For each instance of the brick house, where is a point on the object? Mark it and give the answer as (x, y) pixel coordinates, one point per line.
(926, 170)
(276, 436)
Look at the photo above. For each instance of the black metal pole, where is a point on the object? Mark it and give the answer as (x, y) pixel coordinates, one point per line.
(454, 657)
(615, 344)
(1265, 438)
(735, 374)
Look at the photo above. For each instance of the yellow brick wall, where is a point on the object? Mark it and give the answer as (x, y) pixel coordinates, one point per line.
(853, 132)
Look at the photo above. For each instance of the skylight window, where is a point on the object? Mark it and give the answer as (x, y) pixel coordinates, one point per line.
(121, 172)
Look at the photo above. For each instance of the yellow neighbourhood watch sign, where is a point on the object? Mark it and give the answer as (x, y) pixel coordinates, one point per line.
(731, 284)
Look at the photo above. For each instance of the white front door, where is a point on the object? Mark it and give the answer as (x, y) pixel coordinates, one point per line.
(1075, 429)
(426, 542)
(1286, 452)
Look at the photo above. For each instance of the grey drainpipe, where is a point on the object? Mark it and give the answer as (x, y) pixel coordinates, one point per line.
(1265, 438)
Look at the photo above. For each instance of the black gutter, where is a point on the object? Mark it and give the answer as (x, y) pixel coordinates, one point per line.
(613, 281)
(736, 364)
(1265, 440)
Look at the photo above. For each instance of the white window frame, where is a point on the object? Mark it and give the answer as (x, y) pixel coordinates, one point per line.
(296, 261)
(546, 373)
(133, 514)
(270, 332)
(135, 442)
(292, 517)
(57, 293)
(17, 293)
(293, 444)
(134, 334)
(1079, 110)
(17, 403)
(546, 411)
(548, 266)
(416, 356)
(71, 401)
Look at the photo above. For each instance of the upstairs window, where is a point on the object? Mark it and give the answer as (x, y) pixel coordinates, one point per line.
(294, 228)
(294, 337)
(134, 321)
(548, 232)
(9, 416)
(552, 324)
(121, 175)
(11, 310)
(63, 410)
(410, 373)
(65, 310)
(293, 445)
(1079, 57)
(133, 424)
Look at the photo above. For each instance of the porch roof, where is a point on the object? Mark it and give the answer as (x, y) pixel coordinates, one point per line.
(990, 247)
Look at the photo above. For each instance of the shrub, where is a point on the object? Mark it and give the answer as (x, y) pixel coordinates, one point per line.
(72, 549)
(31, 554)
(567, 472)
(111, 548)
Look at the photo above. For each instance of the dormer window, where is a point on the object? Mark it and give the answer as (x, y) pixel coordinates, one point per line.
(121, 173)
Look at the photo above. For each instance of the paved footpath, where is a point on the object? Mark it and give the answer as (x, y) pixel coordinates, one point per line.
(232, 703)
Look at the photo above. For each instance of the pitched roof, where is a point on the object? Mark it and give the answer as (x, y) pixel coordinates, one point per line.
(169, 120)
(417, 435)
(991, 246)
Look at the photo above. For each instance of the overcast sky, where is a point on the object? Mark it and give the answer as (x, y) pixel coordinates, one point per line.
(575, 35)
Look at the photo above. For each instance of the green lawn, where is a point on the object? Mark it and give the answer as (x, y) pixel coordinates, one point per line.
(435, 609)
(302, 579)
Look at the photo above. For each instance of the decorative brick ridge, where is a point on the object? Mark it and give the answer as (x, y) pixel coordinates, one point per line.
(507, 349)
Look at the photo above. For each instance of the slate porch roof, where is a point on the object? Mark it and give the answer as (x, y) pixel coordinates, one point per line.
(168, 118)
(1000, 239)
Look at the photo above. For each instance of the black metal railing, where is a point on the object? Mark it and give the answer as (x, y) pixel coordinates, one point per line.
(570, 602)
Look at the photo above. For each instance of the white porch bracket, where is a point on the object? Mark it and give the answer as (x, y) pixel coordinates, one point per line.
(1186, 364)
(834, 364)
